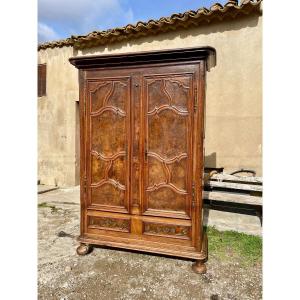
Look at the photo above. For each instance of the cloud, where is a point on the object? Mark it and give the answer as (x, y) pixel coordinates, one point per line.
(129, 16)
(83, 16)
(46, 33)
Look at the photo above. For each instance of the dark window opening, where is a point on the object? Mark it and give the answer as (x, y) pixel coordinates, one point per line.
(42, 70)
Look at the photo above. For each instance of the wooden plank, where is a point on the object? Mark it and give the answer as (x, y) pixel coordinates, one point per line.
(227, 177)
(232, 197)
(236, 186)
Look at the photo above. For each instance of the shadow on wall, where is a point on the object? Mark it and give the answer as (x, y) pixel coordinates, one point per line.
(210, 161)
(201, 29)
(237, 208)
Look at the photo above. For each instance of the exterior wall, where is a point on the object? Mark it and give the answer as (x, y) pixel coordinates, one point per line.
(57, 157)
(234, 86)
(226, 220)
(233, 98)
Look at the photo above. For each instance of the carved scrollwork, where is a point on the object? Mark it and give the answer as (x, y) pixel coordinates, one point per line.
(164, 229)
(105, 106)
(165, 91)
(111, 181)
(163, 107)
(100, 85)
(108, 158)
(116, 110)
(106, 179)
(104, 83)
(170, 185)
(109, 223)
(181, 84)
(167, 160)
(167, 183)
(172, 80)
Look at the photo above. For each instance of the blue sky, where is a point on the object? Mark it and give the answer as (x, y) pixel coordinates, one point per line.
(59, 19)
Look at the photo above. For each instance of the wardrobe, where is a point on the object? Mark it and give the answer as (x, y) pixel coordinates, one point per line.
(142, 153)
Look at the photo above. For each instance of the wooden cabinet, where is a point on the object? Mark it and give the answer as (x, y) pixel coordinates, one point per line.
(141, 132)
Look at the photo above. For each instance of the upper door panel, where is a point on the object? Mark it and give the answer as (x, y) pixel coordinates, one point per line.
(108, 127)
(168, 109)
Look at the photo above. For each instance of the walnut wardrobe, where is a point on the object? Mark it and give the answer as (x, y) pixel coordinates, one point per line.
(141, 151)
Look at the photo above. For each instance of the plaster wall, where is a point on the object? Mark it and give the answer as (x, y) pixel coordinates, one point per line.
(57, 157)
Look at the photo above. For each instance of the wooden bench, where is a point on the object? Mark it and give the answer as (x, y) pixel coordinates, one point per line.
(239, 195)
(233, 188)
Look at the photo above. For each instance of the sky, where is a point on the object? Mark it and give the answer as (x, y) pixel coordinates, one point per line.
(59, 19)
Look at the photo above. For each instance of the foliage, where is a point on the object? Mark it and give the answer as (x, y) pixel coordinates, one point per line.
(247, 249)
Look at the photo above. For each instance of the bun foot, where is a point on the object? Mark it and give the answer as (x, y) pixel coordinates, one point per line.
(84, 249)
(199, 267)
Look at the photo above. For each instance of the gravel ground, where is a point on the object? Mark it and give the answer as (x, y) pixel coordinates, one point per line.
(117, 274)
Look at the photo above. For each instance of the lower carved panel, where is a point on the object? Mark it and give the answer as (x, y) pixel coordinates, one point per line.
(165, 198)
(174, 231)
(108, 194)
(109, 224)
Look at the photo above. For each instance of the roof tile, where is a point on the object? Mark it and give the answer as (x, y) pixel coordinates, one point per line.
(164, 24)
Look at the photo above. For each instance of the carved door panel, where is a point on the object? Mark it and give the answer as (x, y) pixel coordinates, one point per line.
(168, 109)
(108, 143)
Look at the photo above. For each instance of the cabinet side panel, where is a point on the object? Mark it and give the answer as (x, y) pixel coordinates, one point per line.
(81, 77)
(198, 167)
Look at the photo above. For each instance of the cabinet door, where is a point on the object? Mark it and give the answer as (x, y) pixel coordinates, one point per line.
(107, 146)
(168, 134)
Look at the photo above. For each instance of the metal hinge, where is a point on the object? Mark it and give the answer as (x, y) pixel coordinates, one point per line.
(196, 101)
(85, 184)
(193, 195)
(84, 82)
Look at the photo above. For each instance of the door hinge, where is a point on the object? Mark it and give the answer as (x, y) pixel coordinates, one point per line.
(193, 195)
(84, 90)
(85, 184)
(196, 100)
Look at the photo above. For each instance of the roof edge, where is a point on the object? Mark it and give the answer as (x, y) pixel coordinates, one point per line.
(202, 16)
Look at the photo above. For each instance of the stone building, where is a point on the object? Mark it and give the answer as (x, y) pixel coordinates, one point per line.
(233, 138)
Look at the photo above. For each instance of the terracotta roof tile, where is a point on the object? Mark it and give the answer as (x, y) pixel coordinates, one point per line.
(181, 20)
(57, 44)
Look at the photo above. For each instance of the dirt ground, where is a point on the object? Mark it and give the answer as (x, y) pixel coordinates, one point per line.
(117, 274)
